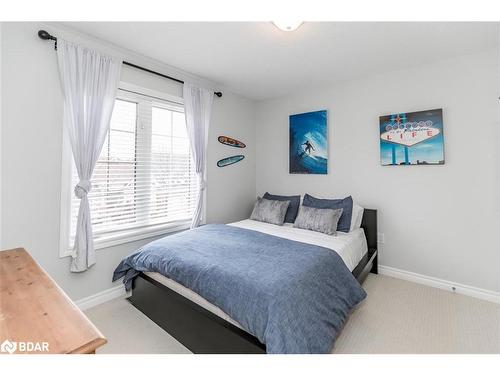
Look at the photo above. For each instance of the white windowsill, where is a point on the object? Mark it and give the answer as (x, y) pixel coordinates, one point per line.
(135, 235)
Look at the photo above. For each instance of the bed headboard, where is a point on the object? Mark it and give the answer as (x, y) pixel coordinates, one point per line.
(369, 224)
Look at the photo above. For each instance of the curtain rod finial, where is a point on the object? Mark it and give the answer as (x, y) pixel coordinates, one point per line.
(42, 34)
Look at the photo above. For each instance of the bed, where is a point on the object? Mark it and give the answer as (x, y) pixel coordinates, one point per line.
(203, 327)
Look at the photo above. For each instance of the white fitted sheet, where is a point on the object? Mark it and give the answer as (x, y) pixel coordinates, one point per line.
(350, 246)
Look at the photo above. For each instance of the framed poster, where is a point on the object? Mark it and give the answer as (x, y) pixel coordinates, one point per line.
(308, 152)
(413, 138)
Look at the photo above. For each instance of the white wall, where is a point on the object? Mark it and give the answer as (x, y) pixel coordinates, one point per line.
(31, 153)
(439, 221)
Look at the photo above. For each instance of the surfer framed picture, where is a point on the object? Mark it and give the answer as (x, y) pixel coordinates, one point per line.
(413, 138)
(308, 153)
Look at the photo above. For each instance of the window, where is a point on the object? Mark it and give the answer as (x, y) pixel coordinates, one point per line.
(144, 182)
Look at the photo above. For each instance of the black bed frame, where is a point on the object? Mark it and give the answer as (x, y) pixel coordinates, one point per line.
(203, 332)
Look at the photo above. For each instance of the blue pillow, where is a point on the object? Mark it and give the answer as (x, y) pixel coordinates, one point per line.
(344, 224)
(293, 207)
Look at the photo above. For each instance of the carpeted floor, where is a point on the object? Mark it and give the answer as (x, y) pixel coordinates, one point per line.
(397, 317)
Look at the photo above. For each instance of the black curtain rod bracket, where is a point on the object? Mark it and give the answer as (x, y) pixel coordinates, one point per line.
(42, 34)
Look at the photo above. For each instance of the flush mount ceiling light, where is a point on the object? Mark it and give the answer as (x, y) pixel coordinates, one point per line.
(288, 25)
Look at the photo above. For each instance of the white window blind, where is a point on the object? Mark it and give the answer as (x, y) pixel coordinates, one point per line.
(144, 179)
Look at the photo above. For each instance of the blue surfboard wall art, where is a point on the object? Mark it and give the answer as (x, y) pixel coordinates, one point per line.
(230, 160)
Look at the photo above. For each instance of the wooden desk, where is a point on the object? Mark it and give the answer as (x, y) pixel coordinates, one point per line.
(34, 309)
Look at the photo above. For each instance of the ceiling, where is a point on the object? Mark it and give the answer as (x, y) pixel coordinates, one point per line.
(257, 60)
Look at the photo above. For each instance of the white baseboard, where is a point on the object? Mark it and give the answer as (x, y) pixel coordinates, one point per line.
(101, 297)
(466, 290)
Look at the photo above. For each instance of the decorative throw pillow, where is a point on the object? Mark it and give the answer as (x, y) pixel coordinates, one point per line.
(344, 224)
(270, 211)
(293, 208)
(322, 220)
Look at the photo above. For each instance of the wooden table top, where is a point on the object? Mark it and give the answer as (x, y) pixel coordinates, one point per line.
(33, 308)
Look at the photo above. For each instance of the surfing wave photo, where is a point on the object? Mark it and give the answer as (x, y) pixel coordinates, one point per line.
(309, 143)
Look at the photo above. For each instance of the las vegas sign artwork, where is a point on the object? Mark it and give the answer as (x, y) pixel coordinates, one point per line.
(413, 138)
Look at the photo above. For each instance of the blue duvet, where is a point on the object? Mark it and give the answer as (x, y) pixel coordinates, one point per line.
(294, 297)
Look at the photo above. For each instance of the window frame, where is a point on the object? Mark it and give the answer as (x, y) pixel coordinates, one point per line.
(129, 92)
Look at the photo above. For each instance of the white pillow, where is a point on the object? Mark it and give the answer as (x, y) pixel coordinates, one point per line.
(357, 216)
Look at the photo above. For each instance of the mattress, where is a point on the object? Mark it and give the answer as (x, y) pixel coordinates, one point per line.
(192, 296)
(351, 247)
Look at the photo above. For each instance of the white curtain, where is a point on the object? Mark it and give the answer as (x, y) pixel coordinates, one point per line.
(89, 84)
(198, 107)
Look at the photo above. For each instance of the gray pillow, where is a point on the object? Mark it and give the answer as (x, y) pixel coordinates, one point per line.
(270, 211)
(322, 220)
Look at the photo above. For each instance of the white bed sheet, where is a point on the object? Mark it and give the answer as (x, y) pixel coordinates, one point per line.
(350, 246)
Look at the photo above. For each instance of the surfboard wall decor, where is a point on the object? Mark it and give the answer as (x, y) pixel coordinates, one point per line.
(230, 160)
(231, 142)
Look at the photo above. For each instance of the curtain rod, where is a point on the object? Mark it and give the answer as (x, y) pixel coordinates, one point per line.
(42, 34)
